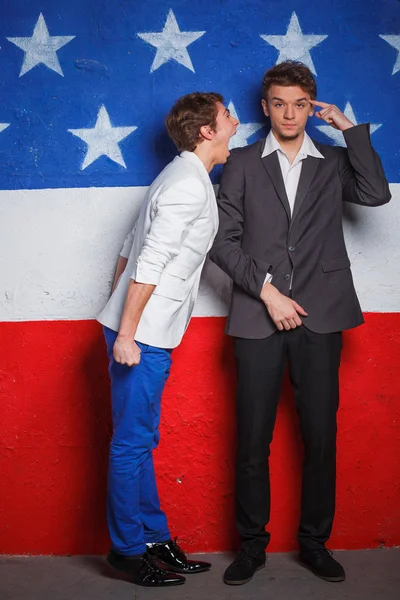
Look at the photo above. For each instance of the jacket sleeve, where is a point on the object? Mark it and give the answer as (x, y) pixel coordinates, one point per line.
(128, 243)
(360, 170)
(176, 208)
(247, 272)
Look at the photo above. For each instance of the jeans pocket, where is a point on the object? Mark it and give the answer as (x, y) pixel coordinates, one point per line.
(143, 347)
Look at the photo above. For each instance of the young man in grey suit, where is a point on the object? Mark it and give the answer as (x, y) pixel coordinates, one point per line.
(281, 241)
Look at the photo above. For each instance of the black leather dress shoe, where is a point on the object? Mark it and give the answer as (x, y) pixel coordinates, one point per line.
(244, 566)
(174, 559)
(322, 564)
(144, 571)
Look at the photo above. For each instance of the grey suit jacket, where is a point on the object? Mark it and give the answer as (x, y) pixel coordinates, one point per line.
(258, 235)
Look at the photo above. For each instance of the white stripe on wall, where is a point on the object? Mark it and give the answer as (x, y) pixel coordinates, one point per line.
(58, 251)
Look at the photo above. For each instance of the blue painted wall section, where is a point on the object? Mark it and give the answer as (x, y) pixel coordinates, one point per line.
(108, 64)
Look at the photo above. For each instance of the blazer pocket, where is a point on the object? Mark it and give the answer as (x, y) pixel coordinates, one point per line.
(335, 264)
(167, 290)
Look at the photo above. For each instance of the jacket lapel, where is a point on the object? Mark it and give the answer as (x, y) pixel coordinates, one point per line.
(308, 171)
(271, 165)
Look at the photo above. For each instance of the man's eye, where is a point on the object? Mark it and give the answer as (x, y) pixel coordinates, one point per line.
(300, 106)
(277, 105)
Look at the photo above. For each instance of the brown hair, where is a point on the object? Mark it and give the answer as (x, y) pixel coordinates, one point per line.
(290, 73)
(188, 115)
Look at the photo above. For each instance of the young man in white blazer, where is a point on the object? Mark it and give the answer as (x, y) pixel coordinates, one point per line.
(155, 288)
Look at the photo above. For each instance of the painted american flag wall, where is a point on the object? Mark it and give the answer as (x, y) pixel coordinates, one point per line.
(85, 87)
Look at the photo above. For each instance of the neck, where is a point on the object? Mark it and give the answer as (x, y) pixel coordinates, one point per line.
(203, 153)
(290, 147)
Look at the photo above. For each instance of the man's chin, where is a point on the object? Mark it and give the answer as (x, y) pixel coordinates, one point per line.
(285, 135)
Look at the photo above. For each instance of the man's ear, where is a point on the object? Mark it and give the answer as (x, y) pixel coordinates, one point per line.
(206, 132)
(265, 107)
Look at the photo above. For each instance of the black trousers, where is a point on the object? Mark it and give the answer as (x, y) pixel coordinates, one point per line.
(314, 361)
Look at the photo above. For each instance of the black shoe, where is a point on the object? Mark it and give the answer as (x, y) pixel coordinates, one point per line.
(174, 558)
(144, 571)
(322, 564)
(244, 566)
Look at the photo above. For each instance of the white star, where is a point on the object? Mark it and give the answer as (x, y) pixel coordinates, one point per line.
(394, 40)
(3, 126)
(336, 135)
(171, 43)
(41, 48)
(244, 131)
(294, 45)
(102, 139)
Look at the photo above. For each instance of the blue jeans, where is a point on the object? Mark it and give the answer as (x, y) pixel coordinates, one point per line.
(133, 507)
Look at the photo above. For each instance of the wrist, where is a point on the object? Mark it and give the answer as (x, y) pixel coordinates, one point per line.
(347, 125)
(268, 292)
(124, 337)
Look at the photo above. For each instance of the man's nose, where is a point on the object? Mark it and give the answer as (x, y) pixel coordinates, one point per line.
(289, 112)
(235, 121)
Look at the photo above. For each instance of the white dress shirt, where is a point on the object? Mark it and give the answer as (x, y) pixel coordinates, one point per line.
(290, 172)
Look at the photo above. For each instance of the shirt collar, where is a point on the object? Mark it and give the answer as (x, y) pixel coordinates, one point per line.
(308, 147)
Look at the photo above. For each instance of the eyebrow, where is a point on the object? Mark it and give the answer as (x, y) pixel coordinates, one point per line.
(281, 100)
(226, 112)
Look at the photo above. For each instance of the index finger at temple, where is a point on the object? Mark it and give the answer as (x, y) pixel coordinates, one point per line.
(319, 103)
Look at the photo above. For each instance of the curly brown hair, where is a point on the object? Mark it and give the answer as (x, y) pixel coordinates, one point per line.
(290, 73)
(188, 115)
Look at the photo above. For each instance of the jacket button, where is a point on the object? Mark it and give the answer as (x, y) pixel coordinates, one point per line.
(292, 248)
(287, 276)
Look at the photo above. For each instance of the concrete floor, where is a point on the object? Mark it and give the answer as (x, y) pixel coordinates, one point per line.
(371, 575)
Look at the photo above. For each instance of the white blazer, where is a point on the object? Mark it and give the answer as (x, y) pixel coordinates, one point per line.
(176, 227)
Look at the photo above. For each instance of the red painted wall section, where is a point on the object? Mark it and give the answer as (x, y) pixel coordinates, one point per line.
(55, 415)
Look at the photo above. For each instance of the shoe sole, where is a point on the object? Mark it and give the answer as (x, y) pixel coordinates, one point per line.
(122, 570)
(182, 571)
(330, 579)
(160, 585)
(242, 581)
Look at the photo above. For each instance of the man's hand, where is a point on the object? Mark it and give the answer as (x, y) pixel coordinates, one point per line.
(332, 115)
(283, 310)
(126, 351)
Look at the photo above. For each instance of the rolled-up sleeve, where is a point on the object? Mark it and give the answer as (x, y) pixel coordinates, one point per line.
(127, 247)
(177, 207)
